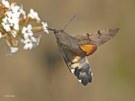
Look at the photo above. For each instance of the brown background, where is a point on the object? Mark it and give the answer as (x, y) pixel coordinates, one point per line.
(41, 74)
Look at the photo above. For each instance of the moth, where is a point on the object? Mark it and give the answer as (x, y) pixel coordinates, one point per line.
(76, 49)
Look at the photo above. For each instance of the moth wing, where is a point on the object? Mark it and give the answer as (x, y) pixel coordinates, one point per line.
(77, 65)
(97, 38)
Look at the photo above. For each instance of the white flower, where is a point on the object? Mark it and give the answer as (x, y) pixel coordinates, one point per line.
(29, 40)
(38, 40)
(27, 31)
(6, 25)
(23, 13)
(0, 35)
(15, 8)
(10, 20)
(27, 44)
(44, 25)
(33, 15)
(13, 19)
(33, 39)
(14, 49)
(16, 26)
(5, 3)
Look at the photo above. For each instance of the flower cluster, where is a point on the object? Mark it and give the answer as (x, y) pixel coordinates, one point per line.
(16, 26)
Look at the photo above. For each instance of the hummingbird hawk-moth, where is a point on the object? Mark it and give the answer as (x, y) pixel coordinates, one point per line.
(76, 49)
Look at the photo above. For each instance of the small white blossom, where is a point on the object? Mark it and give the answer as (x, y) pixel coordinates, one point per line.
(33, 39)
(38, 40)
(16, 26)
(6, 25)
(27, 31)
(12, 22)
(33, 15)
(27, 44)
(44, 25)
(14, 49)
(5, 3)
(15, 8)
(29, 40)
(23, 13)
(13, 19)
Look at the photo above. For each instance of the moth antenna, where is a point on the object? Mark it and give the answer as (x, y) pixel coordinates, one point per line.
(73, 17)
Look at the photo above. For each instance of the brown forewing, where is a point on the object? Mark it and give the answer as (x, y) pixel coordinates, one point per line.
(97, 38)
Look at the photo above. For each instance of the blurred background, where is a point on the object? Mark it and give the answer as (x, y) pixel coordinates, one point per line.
(42, 75)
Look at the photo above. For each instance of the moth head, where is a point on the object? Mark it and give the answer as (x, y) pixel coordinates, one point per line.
(55, 30)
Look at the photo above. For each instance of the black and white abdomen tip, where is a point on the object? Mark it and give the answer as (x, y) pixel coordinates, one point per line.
(82, 71)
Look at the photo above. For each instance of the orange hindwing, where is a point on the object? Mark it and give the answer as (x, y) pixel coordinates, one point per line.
(88, 48)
